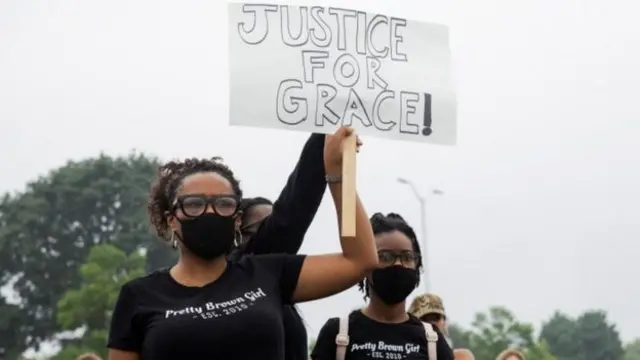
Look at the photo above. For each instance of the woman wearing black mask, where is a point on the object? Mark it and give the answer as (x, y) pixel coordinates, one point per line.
(206, 307)
(383, 329)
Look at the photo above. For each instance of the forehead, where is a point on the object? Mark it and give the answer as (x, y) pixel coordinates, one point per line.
(209, 183)
(259, 212)
(393, 240)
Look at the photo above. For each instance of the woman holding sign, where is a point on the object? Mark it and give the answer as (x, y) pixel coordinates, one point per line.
(384, 329)
(206, 307)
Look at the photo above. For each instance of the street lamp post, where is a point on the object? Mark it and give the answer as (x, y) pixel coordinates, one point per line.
(422, 200)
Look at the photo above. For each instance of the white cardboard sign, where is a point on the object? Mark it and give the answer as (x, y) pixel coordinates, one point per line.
(314, 68)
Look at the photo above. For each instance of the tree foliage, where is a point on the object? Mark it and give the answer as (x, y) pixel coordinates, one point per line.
(89, 306)
(9, 334)
(497, 330)
(589, 337)
(632, 350)
(46, 232)
(559, 333)
(460, 337)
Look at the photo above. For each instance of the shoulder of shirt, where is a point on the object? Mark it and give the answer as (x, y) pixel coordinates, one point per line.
(414, 319)
(144, 281)
(248, 259)
(356, 313)
(332, 324)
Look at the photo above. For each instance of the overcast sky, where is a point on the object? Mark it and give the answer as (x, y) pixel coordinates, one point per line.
(540, 210)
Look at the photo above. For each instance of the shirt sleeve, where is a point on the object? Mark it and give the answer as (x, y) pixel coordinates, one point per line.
(325, 347)
(123, 334)
(286, 270)
(296, 206)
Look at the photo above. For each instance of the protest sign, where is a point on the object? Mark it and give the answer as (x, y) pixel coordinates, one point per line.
(314, 68)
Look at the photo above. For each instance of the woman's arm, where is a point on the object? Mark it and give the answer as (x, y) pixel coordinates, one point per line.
(297, 205)
(122, 355)
(325, 275)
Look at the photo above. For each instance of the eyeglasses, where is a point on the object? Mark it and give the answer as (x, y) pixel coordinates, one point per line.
(196, 205)
(406, 257)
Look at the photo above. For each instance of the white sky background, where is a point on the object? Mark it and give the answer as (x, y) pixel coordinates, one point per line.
(541, 193)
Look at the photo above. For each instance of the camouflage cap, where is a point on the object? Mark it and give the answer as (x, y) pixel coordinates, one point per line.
(426, 304)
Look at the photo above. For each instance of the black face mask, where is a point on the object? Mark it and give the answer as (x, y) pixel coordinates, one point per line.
(209, 235)
(394, 283)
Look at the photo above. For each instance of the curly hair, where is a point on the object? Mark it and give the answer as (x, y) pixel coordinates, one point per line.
(387, 223)
(169, 179)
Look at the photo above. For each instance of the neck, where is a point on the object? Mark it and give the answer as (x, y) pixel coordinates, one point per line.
(193, 271)
(377, 310)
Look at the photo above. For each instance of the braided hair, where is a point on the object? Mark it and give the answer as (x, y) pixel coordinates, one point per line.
(169, 180)
(387, 223)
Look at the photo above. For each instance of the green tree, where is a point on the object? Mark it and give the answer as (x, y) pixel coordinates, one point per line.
(589, 337)
(89, 306)
(599, 339)
(539, 351)
(561, 336)
(632, 350)
(46, 232)
(497, 330)
(10, 330)
(460, 337)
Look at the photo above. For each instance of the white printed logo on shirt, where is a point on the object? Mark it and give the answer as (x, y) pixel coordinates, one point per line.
(212, 310)
(382, 350)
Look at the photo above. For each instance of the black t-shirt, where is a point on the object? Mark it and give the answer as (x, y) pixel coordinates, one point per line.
(295, 335)
(239, 316)
(369, 339)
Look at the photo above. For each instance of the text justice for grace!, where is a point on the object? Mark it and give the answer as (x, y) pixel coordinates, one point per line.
(326, 29)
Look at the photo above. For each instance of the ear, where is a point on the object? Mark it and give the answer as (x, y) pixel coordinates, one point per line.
(173, 222)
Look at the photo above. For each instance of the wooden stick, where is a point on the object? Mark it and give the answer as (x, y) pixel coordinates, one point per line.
(349, 187)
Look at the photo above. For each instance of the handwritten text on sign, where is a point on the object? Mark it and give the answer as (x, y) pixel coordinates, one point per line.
(316, 68)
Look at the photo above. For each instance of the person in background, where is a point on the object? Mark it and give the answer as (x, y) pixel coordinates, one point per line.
(463, 354)
(208, 307)
(268, 228)
(89, 356)
(429, 308)
(511, 354)
(383, 329)
(255, 210)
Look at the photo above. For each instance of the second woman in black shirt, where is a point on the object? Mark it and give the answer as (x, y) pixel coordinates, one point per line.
(383, 329)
